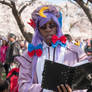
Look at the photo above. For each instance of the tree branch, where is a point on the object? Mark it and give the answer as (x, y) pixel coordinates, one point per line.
(90, 1)
(85, 9)
(27, 4)
(73, 3)
(6, 3)
(28, 36)
(72, 25)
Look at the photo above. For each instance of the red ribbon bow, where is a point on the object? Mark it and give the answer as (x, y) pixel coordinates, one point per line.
(62, 39)
(32, 23)
(38, 52)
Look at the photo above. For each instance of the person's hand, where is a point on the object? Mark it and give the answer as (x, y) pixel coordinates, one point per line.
(64, 88)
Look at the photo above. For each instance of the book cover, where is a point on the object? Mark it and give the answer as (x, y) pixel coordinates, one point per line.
(78, 77)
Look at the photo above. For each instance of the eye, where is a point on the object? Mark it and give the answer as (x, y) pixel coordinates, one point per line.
(52, 25)
(43, 27)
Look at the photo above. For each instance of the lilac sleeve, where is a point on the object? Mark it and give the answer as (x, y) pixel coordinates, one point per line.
(81, 54)
(25, 77)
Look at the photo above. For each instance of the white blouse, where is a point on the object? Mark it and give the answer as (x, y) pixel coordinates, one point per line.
(41, 61)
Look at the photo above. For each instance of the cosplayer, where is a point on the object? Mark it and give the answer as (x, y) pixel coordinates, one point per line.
(48, 43)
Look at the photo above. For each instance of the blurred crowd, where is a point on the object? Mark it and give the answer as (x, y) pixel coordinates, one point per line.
(10, 48)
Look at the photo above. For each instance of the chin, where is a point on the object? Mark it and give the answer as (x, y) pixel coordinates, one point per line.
(49, 44)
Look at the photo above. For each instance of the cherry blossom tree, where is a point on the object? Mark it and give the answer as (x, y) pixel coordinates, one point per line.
(17, 11)
(85, 7)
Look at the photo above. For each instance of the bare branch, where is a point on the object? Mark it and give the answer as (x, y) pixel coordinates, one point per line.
(72, 25)
(23, 8)
(27, 4)
(6, 3)
(73, 3)
(12, 4)
(28, 36)
(90, 1)
(87, 2)
(85, 9)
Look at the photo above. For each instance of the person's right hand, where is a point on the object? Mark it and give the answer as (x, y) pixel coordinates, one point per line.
(64, 88)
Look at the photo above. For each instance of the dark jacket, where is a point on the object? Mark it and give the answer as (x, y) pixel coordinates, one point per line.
(13, 50)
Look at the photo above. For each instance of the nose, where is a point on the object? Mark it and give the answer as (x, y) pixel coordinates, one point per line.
(48, 29)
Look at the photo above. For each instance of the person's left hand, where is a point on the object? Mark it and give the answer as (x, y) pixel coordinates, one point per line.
(64, 88)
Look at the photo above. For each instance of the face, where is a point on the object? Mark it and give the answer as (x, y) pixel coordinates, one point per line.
(48, 30)
(89, 53)
(22, 44)
(89, 47)
(4, 42)
(11, 39)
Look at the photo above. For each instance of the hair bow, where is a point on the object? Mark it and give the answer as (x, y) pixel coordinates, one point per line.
(32, 23)
(58, 41)
(34, 50)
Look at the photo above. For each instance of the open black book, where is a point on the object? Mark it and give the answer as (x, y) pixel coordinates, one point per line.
(78, 77)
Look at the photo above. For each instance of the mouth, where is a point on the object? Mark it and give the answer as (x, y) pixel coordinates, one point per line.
(49, 37)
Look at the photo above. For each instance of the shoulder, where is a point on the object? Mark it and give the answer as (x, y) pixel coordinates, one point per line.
(16, 43)
(74, 48)
(23, 59)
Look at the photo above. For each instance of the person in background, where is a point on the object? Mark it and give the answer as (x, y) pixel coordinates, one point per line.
(12, 51)
(1, 70)
(3, 50)
(49, 43)
(88, 49)
(23, 46)
(69, 38)
(0, 41)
